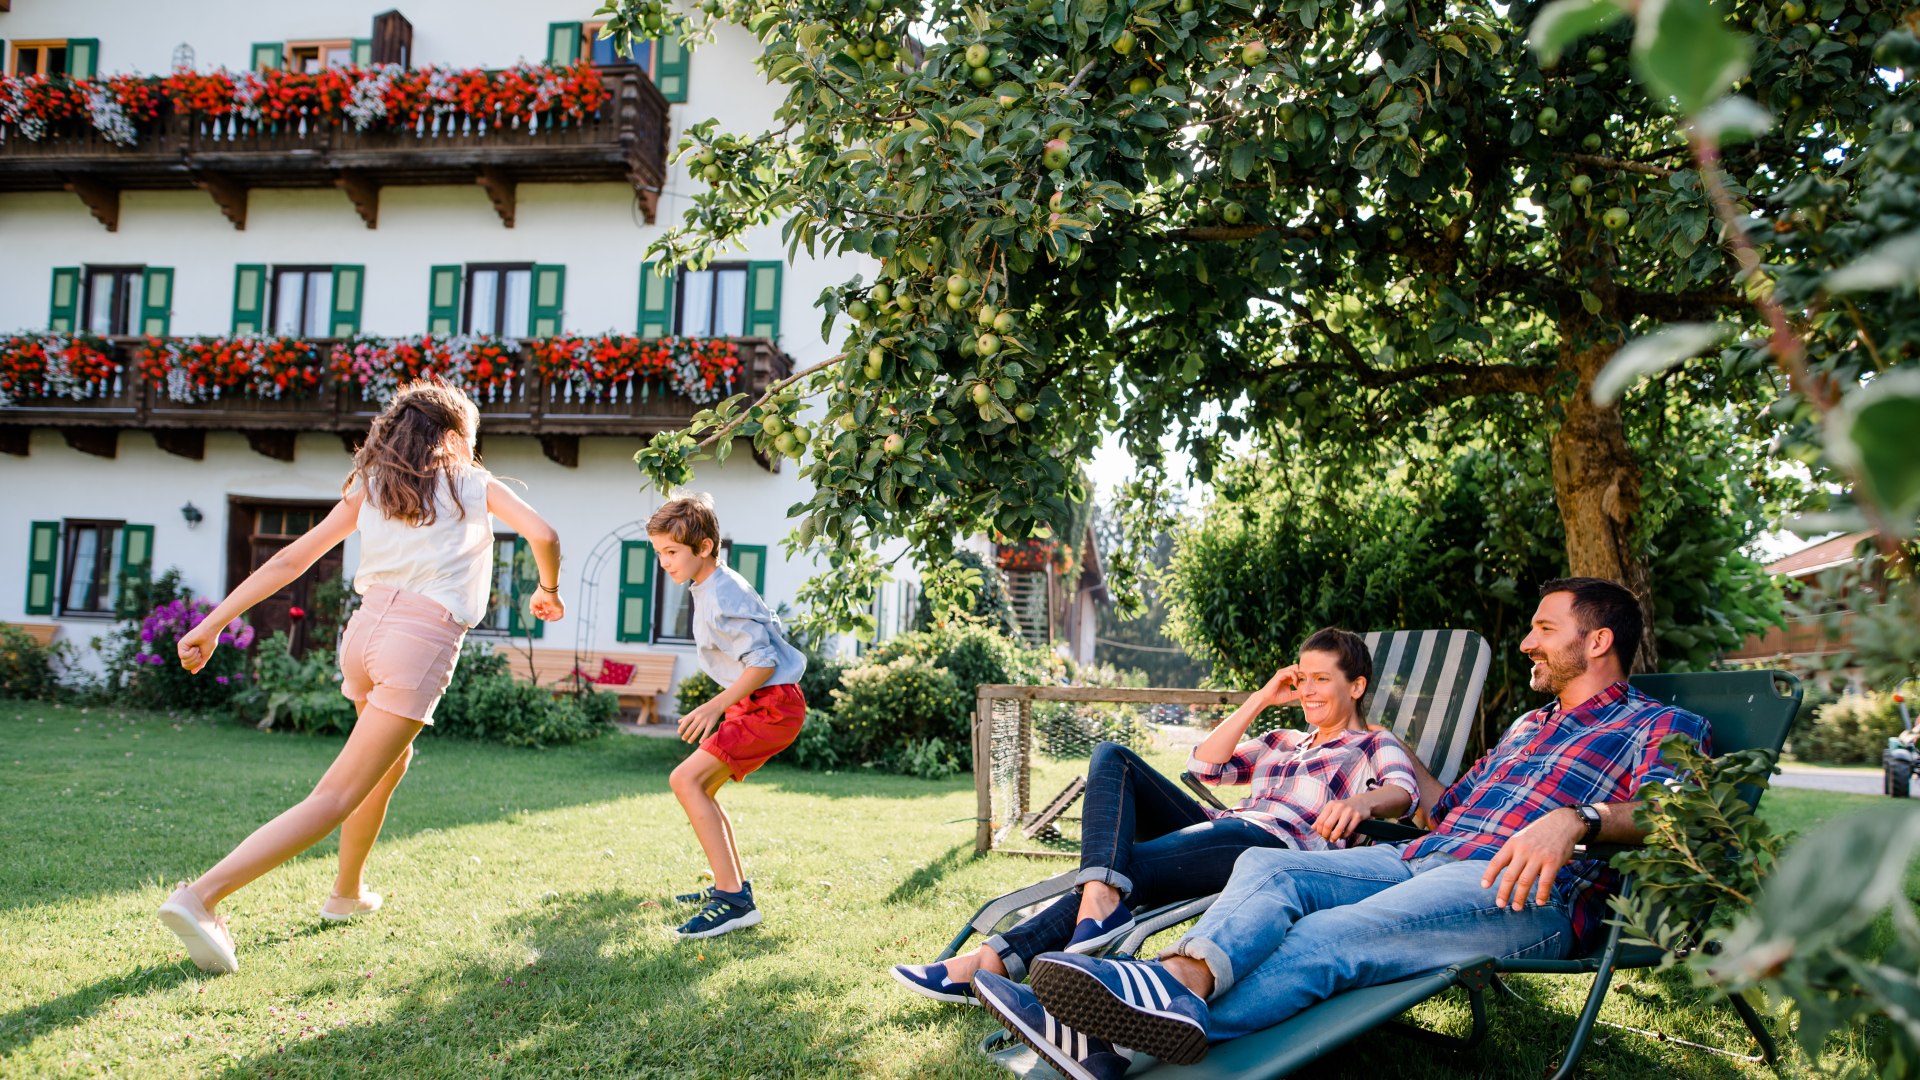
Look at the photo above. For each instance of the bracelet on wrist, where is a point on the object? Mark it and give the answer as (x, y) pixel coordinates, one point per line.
(554, 589)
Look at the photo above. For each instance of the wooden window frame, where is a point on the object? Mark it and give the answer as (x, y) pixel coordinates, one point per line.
(485, 626)
(680, 298)
(499, 295)
(124, 316)
(70, 529)
(272, 327)
(661, 585)
(290, 52)
(590, 36)
(40, 66)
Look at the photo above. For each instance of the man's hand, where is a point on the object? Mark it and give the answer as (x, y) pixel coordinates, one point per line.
(699, 723)
(1534, 855)
(1339, 818)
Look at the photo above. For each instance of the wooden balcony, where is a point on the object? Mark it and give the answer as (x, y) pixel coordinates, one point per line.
(624, 142)
(554, 412)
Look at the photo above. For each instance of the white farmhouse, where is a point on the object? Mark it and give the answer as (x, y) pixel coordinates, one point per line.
(466, 193)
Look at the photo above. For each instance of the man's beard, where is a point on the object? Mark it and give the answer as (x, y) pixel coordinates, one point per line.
(1560, 669)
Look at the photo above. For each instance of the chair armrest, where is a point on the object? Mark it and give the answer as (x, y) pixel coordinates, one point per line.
(1201, 791)
(1389, 832)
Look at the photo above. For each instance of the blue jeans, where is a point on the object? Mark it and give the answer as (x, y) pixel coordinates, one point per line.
(1297, 927)
(1143, 835)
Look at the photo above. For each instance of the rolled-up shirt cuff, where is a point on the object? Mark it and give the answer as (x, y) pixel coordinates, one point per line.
(764, 656)
(1207, 770)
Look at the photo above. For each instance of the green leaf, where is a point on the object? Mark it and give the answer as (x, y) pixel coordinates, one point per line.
(1733, 119)
(1683, 50)
(1563, 22)
(1652, 354)
(1889, 265)
(1872, 434)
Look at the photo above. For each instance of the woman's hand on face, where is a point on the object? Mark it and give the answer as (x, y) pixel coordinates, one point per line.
(1338, 819)
(1283, 687)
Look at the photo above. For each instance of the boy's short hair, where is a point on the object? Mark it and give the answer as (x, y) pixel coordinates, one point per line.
(688, 519)
(1355, 662)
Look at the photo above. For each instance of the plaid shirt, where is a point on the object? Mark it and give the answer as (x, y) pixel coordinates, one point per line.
(1292, 781)
(1600, 751)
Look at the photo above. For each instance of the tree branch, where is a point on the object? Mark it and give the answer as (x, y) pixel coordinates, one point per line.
(1621, 165)
(729, 427)
(1207, 233)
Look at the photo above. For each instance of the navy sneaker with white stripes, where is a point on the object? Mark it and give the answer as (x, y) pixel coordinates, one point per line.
(1133, 1003)
(1093, 935)
(932, 980)
(723, 913)
(1072, 1053)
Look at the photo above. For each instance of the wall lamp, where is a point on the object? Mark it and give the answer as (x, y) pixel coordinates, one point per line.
(192, 514)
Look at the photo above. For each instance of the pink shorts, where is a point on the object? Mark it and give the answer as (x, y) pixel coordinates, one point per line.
(398, 652)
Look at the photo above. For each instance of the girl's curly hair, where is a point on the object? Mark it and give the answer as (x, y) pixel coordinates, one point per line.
(407, 451)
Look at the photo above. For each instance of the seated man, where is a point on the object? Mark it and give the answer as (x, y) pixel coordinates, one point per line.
(1496, 876)
(1897, 761)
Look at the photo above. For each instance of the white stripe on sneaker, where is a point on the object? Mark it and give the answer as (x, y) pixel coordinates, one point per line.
(1155, 980)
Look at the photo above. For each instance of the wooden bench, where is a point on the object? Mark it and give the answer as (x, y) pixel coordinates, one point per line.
(561, 668)
(41, 633)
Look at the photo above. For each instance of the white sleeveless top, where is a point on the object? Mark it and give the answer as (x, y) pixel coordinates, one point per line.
(450, 562)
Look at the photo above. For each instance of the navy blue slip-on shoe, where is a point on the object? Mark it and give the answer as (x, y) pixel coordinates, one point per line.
(1073, 1054)
(1133, 1003)
(931, 980)
(1094, 935)
(723, 914)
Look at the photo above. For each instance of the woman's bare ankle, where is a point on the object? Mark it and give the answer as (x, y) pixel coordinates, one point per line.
(1098, 900)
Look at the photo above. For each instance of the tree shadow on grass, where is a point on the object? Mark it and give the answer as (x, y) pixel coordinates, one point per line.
(925, 878)
(28, 1023)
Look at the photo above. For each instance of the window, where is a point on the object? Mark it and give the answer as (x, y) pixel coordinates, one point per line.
(91, 583)
(497, 299)
(313, 57)
(109, 301)
(713, 302)
(498, 618)
(39, 58)
(603, 54)
(672, 610)
(302, 300)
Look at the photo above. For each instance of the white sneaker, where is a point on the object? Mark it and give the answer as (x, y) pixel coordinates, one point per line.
(205, 935)
(353, 905)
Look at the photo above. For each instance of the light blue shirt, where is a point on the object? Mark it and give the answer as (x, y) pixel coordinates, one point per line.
(735, 630)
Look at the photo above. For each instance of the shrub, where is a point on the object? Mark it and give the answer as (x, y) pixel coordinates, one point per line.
(153, 676)
(816, 747)
(974, 654)
(928, 759)
(26, 667)
(485, 701)
(1851, 730)
(992, 604)
(696, 690)
(294, 693)
(882, 708)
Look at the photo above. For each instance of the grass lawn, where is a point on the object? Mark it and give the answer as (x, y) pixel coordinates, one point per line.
(527, 927)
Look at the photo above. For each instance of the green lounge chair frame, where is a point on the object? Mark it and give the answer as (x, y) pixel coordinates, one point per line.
(1744, 710)
(1426, 689)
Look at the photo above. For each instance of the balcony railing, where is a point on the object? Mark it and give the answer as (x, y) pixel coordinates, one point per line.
(624, 141)
(557, 412)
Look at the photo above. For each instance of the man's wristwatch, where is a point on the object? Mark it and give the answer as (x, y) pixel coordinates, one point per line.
(1590, 814)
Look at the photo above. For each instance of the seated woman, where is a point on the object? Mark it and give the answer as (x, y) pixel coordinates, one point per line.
(1145, 842)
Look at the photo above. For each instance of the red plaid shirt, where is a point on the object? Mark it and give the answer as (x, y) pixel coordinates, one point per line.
(1600, 751)
(1292, 781)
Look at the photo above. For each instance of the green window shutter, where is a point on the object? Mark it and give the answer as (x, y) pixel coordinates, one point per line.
(526, 579)
(750, 562)
(763, 300)
(546, 301)
(156, 300)
(63, 316)
(348, 284)
(363, 52)
(266, 56)
(563, 44)
(636, 590)
(43, 564)
(443, 301)
(656, 302)
(83, 58)
(249, 298)
(670, 64)
(136, 559)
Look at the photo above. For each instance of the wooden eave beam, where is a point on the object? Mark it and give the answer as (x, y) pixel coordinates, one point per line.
(102, 200)
(499, 186)
(228, 194)
(561, 449)
(277, 445)
(98, 441)
(364, 191)
(189, 443)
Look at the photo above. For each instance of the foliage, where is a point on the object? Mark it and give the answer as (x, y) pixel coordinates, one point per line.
(1806, 937)
(695, 690)
(191, 369)
(1705, 846)
(975, 654)
(930, 759)
(36, 365)
(815, 747)
(145, 666)
(621, 366)
(329, 605)
(987, 600)
(485, 701)
(1852, 730)
(294, 693)
(26, 666)
(885, 708)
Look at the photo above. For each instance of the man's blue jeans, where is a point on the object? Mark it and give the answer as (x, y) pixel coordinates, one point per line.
(1296, 927)
(1142, 834)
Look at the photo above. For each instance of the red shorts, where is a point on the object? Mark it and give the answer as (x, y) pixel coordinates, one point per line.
(758, 726)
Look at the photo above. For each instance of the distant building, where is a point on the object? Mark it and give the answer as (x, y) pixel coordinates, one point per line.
(1805, 638)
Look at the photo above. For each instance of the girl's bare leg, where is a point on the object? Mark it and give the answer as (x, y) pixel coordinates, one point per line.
(378, 742)
(695, 781)
(362, 828)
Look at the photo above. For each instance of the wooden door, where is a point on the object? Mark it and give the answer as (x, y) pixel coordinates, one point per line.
(258, 528)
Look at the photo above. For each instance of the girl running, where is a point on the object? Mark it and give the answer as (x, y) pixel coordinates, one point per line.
(420, 503)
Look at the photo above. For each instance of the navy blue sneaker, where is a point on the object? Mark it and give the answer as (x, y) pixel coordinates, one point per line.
(723, 913)
(1094, 935)
(1074, 1054)
(693, 897)
(931, 980)
(1135, 1003)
